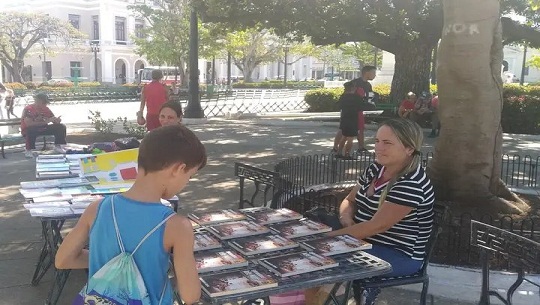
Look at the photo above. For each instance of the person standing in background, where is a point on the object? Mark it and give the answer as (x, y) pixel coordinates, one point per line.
(153, 96)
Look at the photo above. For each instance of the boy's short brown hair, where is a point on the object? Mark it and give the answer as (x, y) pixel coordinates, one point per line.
(167, 145)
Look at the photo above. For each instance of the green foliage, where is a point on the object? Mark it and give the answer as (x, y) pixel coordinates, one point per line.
(132, 129)
(277, 84)
(22, 32)
(101, 125)
(323, 100)
(364, 53)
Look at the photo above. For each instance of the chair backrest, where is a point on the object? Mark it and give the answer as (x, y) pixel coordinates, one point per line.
(518, 250)
(440, 213)
(264, 181)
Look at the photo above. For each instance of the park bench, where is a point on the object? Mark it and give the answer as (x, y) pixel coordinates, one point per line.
(522, 254)
(16, 138)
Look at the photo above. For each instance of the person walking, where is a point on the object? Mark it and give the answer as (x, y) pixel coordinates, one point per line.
(153, 96)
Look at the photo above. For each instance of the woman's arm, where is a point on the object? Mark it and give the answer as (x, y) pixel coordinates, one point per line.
(347, 208)
(180, 233)
(71, 254)
(142, 104)
(386, 217)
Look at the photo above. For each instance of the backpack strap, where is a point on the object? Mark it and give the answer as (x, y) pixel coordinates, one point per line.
(152, 231)
(118, 237)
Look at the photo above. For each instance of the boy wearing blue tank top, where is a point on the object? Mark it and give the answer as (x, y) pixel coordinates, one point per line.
(168, 157)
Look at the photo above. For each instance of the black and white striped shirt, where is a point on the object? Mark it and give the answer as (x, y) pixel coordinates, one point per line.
(415, 190)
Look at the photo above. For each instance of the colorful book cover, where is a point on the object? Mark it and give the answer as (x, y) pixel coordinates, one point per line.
(298, 228)
(114, 166)
(205, 241)
(262, 244)
(218, 260)
(208, 218)
(237, 229)
(269, 216)
(240, 281)
(298, 263)
(335, 245)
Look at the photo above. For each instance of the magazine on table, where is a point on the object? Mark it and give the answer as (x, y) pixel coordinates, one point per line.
(298, 228)
(50, 212)
(218, 260)
(53, 174)
(83, 201)
(46, 158)
(262, 244)
(52, 198)
(237, 229)
(335, 245)
(298, 263)
(41, 192)
(45, 205)
(205, 241)
(268, 216)
(194, 224)
(208, 218)
(238, 281)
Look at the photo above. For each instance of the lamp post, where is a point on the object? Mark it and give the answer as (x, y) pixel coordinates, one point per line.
(229, 68)
(194, 109)
(95, 50)
(286, 49)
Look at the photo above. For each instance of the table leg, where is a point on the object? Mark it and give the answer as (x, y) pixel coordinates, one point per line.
(60, 279)
(332, 295)
(45, 260)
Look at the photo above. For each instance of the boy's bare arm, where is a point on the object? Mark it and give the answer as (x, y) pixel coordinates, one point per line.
(71, 254)
(179, 229)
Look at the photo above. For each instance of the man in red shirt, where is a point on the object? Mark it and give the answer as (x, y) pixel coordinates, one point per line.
(407, 106)
(37, 119)
(153, 96)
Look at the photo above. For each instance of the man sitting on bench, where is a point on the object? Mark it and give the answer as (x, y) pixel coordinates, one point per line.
(37, 119)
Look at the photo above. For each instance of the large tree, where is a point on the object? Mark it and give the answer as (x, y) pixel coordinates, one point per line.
(21, 32)
(410, 29)
(466, 167)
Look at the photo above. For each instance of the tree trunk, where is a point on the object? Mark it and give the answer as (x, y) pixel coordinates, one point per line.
(412, 68)
(15, 69)
(467, 162)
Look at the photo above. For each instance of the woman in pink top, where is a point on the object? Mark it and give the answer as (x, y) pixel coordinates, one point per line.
(153, 96)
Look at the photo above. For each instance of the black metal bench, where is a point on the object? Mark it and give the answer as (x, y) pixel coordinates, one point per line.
(11, 138)
(522, 254)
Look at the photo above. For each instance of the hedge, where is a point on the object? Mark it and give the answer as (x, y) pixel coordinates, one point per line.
(520, 114)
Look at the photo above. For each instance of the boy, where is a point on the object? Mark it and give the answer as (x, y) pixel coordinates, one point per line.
(168, 157)
(350, 104)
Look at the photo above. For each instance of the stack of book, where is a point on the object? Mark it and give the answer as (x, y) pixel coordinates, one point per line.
(237, 229)
(299, 228)
(219, 260)
(238, 281)
(210, 218)
(266, 216)
(298, 263)
(52, 166)
(329, 246)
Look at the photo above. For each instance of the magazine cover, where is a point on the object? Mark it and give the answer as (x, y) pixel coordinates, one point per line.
(218, 260)
(298, 263)
(262, 244)
(233, 282)
(268, 216)
(297, 228)
(237, 229)
(328, 246)
(209, 218)
(205, 241)
(113, 166)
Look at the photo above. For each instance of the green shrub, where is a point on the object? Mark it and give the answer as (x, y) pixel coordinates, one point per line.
(521, 114)
(323, 100)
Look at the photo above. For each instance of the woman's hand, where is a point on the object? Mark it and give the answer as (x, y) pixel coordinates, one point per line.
(140, 119)
(346, 220)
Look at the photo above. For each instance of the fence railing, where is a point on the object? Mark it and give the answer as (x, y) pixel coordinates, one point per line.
(516, 171)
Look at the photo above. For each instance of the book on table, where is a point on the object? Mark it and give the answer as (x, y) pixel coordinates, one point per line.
(53, 174)
(51, 198)
(43, 158)
(298, 228)
(208, 218)
(237, 281)
(262, 244)
(205, 241)
(298, 263)
(335, 245)
(268, 216)
(43, 205)
(237, 229)
(61, 183)
(194, 224)
(50, 212)
(216, 260)
(41, 192)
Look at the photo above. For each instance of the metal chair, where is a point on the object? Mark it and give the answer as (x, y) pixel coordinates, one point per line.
(521, 253)
(420, 277)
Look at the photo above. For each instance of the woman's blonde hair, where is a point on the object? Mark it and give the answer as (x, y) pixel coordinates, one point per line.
(411, 136)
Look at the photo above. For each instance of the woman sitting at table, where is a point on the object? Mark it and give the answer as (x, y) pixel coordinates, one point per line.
(170, 113)
(392, 205)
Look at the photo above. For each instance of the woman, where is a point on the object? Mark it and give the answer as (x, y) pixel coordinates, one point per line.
(37, 119)
(153, 96)
(392, 205)
(170, 113)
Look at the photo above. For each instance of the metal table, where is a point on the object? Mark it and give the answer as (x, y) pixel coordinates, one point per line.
(352, 266)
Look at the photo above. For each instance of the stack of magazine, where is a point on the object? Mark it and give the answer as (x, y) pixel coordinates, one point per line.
(57, 166)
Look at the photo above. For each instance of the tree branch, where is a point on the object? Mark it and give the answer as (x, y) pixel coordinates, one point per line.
(515, 32)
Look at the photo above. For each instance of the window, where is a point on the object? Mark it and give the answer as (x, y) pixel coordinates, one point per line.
(74, 20)
(95, 28)
(120, 27)
(139, 28)
(75, 67)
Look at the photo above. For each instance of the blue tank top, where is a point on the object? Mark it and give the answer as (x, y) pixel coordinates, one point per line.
(135, 219)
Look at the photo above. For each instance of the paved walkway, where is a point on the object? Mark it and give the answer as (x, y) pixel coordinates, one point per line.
(262, 142)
